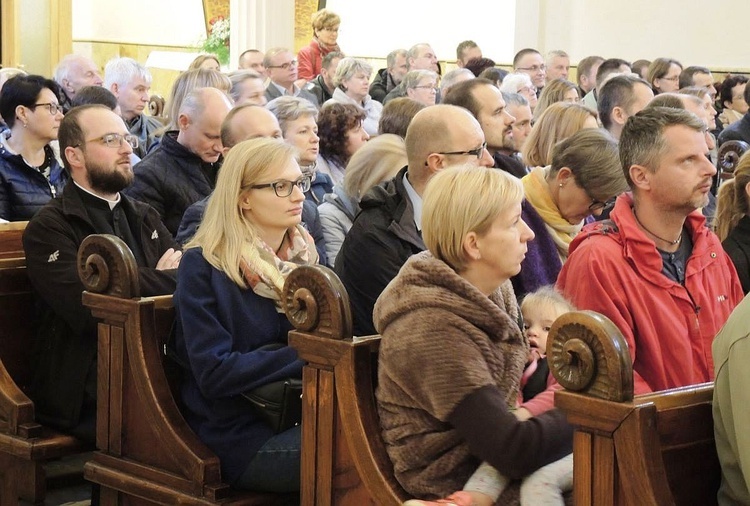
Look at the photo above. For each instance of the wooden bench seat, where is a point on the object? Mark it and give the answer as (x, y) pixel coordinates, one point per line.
(147, 454)
(25, 445)
(653, 449)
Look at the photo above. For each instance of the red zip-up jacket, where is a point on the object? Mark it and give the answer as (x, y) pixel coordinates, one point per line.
(669, 328)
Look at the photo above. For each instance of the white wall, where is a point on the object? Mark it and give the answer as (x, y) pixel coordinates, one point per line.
(148, 22)
(373, 29)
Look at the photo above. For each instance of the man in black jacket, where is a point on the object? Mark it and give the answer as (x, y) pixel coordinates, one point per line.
(95, 146)
(183, 169)
(388, 229)
(388, 78)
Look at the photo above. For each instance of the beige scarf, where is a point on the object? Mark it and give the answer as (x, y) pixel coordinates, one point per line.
(265, 270)
(537, 193)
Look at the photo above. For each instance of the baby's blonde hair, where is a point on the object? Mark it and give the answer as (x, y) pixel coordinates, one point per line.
(547, 296)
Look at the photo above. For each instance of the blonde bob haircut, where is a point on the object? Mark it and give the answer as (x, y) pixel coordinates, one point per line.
(559, 121)
(323, 19)
(552, 93)
(188, 81)
(377, 161)
(464, 199)
(732, 202)
(225, 230)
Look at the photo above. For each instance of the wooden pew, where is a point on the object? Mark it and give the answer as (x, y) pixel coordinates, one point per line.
(26, 447)
(147, 452)
(344, 461)
(654, 449)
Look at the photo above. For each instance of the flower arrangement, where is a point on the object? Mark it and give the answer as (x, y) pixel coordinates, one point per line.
(217, 41)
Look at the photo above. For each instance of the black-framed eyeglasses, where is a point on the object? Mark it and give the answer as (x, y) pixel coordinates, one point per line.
(478, 152)
(535, 68)
(284, 187)
(115, 140)
(597, 205)
(285, 66)
(51, 107)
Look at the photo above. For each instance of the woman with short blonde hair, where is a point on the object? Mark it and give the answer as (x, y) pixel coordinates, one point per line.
(325, 25)
(206, 61)
(230, 329)
(375, 162)
(452, 351)
(558, 122)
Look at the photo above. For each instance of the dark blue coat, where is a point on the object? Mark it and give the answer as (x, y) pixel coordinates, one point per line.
(220, 327)
(24, 190)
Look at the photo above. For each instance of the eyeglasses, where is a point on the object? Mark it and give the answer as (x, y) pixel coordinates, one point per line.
(431, 88)
(285, 66)
(284, 187)
(51, 107)
(597, 205)
(535, 68)
(527, 89)
(115, 140)
(474, 152)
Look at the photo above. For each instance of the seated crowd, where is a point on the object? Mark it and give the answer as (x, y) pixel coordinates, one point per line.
(603, 199)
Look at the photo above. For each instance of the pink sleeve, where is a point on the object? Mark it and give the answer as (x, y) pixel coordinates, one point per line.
(543, 401)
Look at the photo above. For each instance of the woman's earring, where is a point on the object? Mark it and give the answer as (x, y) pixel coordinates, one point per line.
(561, 185)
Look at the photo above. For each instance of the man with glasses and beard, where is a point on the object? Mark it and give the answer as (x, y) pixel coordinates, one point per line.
(95, 146)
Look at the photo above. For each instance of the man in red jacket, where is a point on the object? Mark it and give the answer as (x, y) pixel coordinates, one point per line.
(655, 269)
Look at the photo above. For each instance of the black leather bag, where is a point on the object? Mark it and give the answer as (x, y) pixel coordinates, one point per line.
(279, 403)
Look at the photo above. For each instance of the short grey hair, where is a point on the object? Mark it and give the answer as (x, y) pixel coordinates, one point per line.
(288, 108)
(390, 60)
(237, 78)
(451, 78)
(556, 53)
(348, 67)
(412, 78)
(514, 82)
(271, 53)
(515, 99)
(62, 71)
(121, 71)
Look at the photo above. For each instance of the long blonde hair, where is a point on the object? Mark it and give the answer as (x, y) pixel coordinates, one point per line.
(732, 203)
(225, 229)
(377, 161)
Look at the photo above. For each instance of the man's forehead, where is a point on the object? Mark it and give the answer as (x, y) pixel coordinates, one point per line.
(530, 58)
(424, 50)
(282, 57)
(100, 121)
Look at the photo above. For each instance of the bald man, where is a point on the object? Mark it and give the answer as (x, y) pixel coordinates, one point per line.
(183, 169)
(388, 230)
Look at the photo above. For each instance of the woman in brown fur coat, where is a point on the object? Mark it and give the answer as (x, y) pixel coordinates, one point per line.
(452, 350)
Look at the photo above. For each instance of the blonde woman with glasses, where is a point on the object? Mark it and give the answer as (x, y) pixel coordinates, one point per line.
(231, 330)
(30, 172)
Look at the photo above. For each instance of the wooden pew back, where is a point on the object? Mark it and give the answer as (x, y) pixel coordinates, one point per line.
(147, 452)
(344, 460)
(655, 449)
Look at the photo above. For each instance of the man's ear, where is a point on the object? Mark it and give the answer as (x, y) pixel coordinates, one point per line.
(115, 89)
(641, 177)
(435, 162)
(619, 115)
(74, 156)
(183, 121)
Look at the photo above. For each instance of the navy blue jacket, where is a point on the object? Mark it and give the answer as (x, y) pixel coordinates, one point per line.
(220, 327)
(23, 190)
